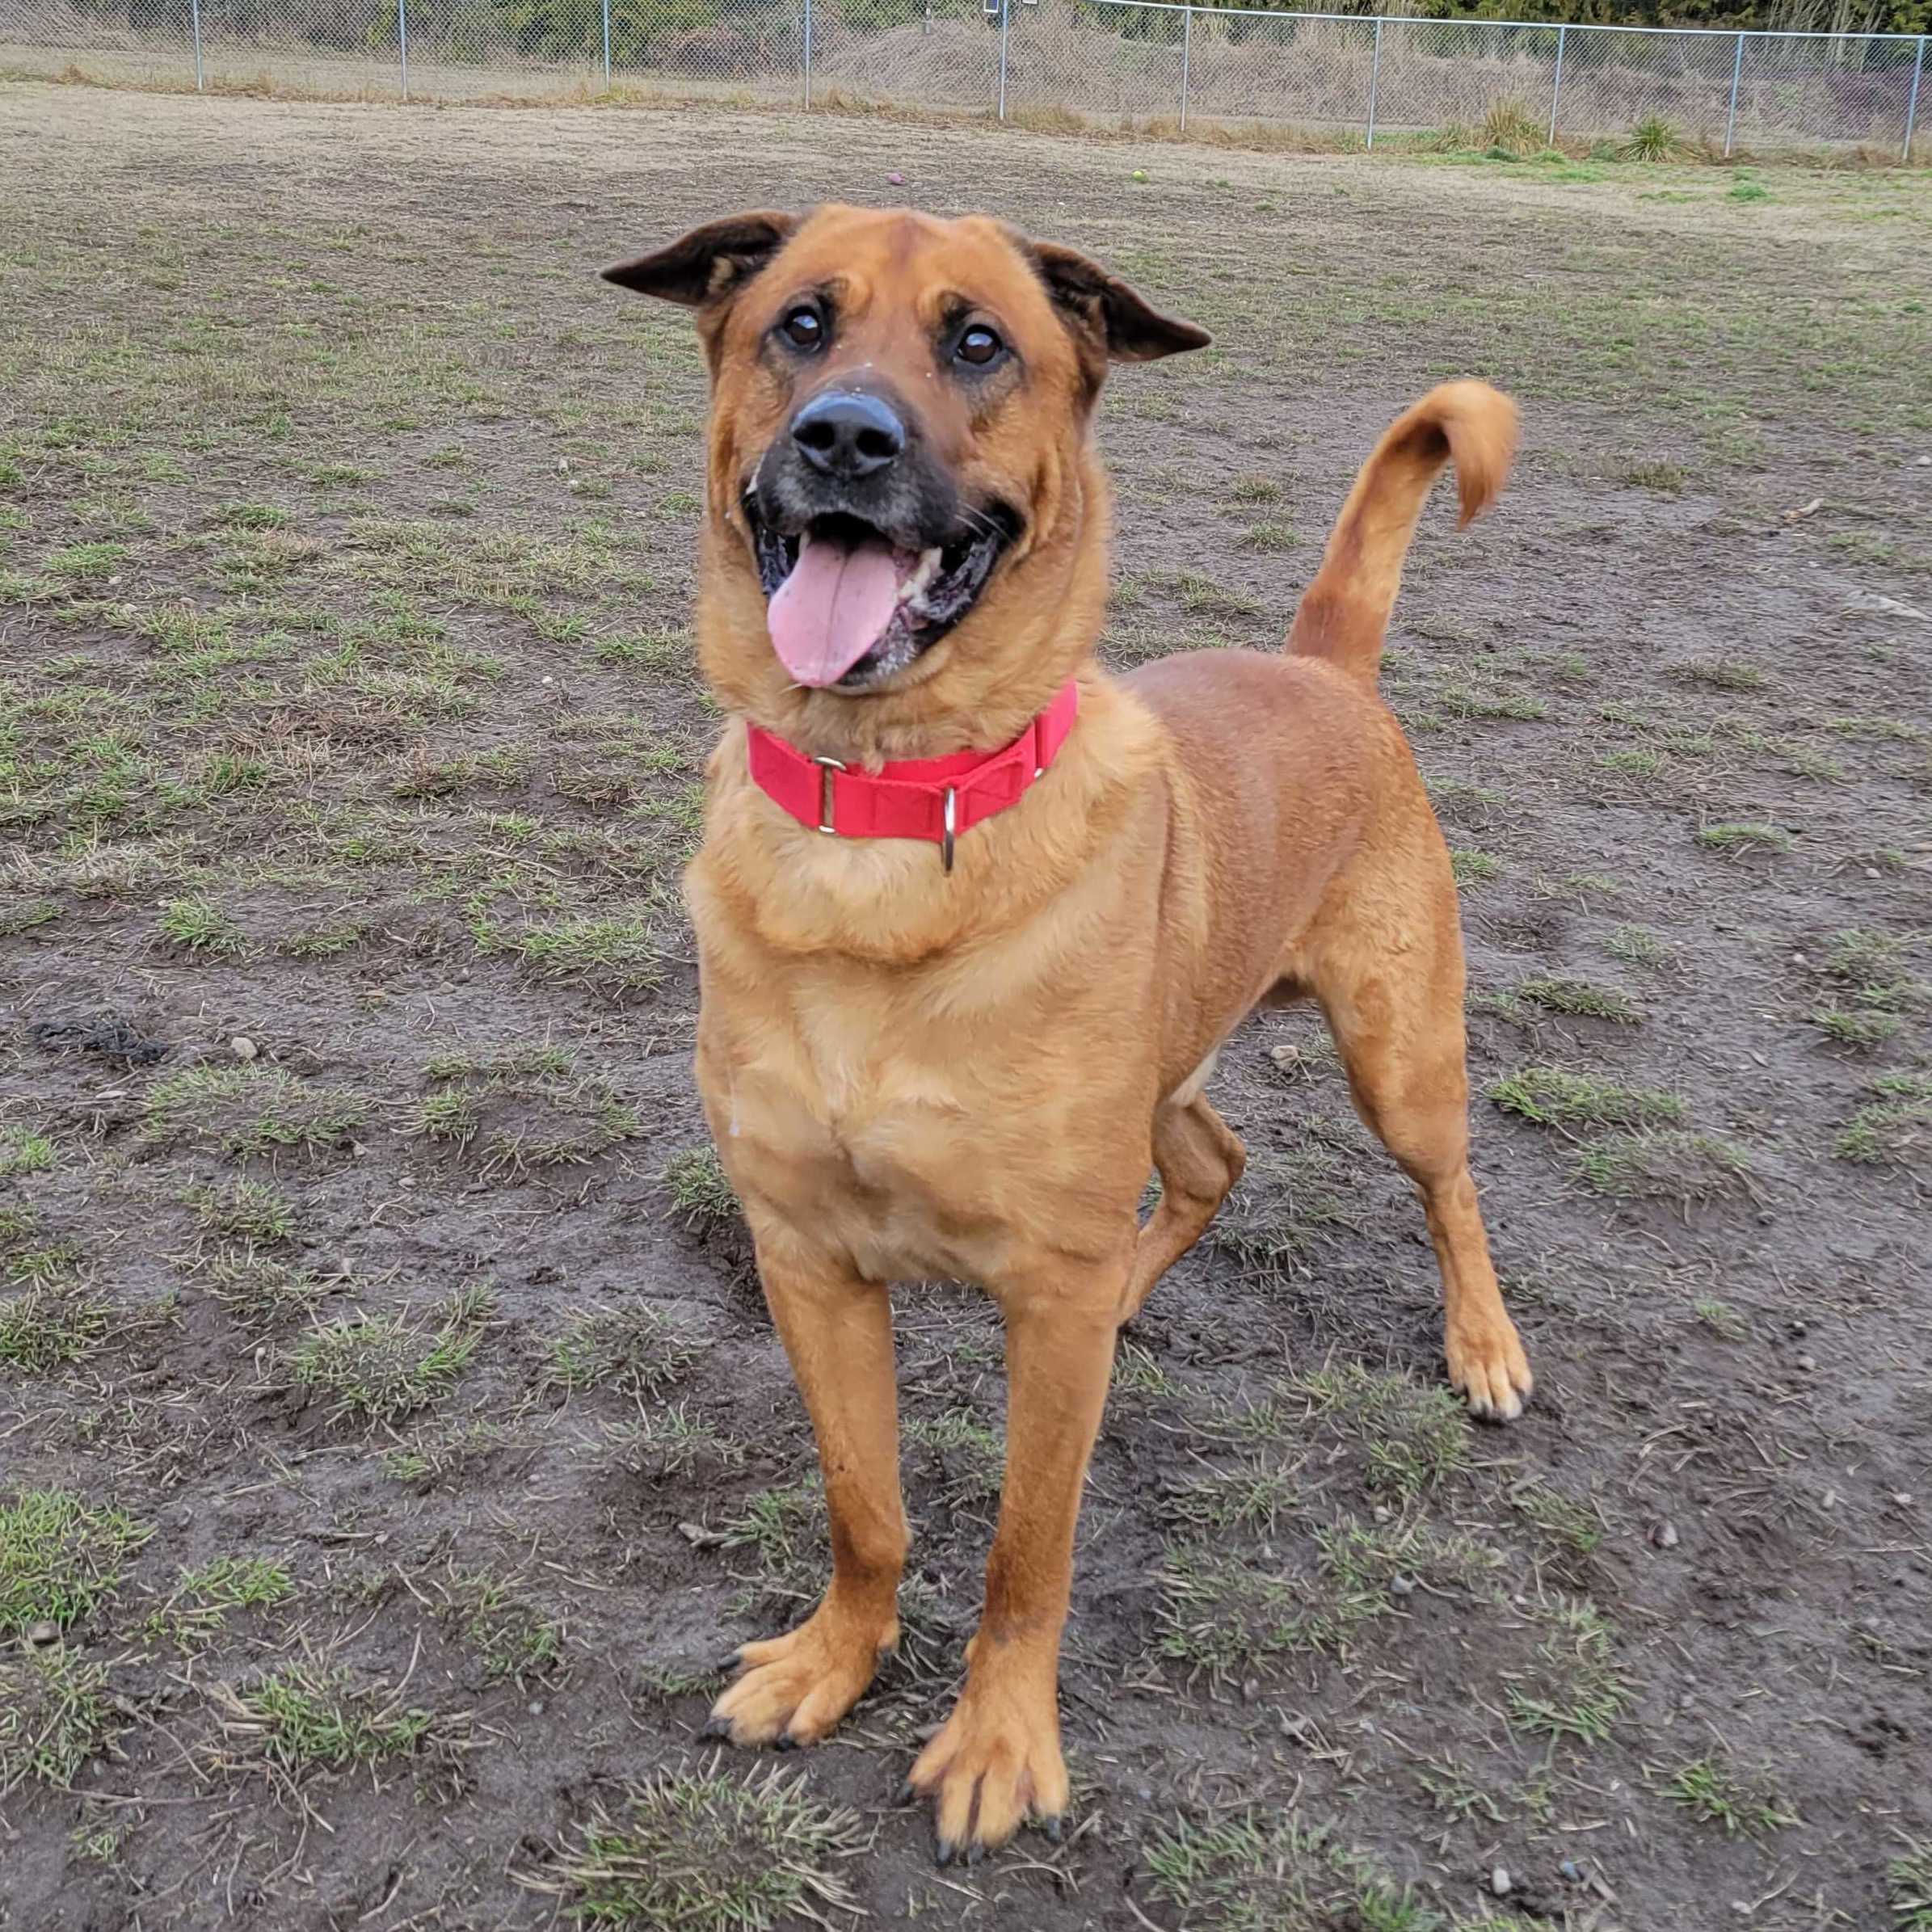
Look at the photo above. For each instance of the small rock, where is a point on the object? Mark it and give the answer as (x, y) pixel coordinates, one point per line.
(1807, 1362)
(40, 1634)
(1871, 872)
(1382, 1513)
(536, 1706)
(699, 1538)
(1251, 1689)
(1403, 1586)
(1572, 1870)
(896, 178)
(242, 1047)
(1499, 1882)
(1664, 1536)
(1903, 1498)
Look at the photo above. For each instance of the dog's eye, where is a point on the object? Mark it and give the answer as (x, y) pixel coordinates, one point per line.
(979, 346)
(804, 328)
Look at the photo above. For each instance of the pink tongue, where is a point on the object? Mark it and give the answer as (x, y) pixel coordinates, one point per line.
(832, 609)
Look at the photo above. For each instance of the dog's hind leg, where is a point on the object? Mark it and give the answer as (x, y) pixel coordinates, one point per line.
(1391, 983)
(837, 1331)
(1199, 1160)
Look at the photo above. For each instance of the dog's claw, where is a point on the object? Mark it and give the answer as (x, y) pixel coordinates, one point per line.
(1052, 1828)
(716, 1726)
(785, 1741)
(905, 1793)
(943, 1852)
(977, 1852)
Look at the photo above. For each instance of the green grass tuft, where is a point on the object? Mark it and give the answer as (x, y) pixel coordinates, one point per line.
(1582, 999)
(635, 1349)
(1664, 1165)
(59, 1557)
(707, 1853)
(55, 1715)
(249, 1109)
(1558, 1096)
(381, 1368)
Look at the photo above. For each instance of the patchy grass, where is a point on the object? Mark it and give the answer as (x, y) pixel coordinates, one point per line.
(250, 1110)
(701, 1194)
(49, 1328)
(1664, 1165)
(199, 1606)
(1576, 1689)
(1715, 1791)
(242, 1210)
(61, 1557)
(1893, 1127)
(381, 1368)
(706, 1852)
(1580, 999)
(55, 1715)
(636, 1350)
(308, 1716)
(1268, 1870)
(23, 1151)
(1563, 1096)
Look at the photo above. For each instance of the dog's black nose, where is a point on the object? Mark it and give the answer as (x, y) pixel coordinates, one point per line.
(845, 434)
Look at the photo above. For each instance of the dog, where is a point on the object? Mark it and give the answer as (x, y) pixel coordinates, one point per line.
(974, 917)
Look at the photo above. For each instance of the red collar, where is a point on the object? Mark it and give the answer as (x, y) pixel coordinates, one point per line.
(932, 798)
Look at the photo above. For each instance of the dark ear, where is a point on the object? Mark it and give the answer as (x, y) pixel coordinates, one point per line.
(1117, 317)
(709, 262)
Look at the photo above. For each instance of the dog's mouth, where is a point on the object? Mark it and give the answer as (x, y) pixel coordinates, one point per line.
(849, 606)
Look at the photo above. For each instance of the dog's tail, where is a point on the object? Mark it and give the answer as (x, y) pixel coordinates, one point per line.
(1345, 610)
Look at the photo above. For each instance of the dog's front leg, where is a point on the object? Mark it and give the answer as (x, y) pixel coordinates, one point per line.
(837, 1330)
(997, 1757)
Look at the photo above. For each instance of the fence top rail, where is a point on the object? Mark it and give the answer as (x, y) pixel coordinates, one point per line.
(1575, 27)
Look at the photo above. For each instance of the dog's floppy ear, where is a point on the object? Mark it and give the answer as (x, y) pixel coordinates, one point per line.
(705, 266)
(1117, 317)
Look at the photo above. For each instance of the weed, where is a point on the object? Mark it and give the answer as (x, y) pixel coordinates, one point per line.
(634, 1348)
(1891, 1128)
(515, 1640)
(59, 1556)
(1639, 945)
(700, 1192)
(1720, 673)
(1735, 838)
(1473, 868)
(249, 1109)
(1908, 1888)
(23, 1151)
(202, 1600)
(618, 954)
(201, 928)
(1416, 1434)
(1558, 1097)
(1267, 1871)
(1575, 1690)
(1714, 1791)
(48, 1328)
(1565, 1522)
(379, 1368)
(308, 1716)
(1580, 998)
(54, 1714)
(1512, 126)
(707, 1853)
(1720, 1318)
(245, 1210)
(1856, 1030)
(1664, 1165)
(1653, 138)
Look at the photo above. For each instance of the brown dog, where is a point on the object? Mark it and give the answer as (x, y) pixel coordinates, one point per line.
(951, 1039)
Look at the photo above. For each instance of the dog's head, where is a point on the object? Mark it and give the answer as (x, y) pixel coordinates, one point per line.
(902, 496)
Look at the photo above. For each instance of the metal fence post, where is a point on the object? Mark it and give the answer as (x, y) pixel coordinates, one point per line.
(1187, 42)
(402, 41)
(194, 8)
(1374, 81)
(1006, 9)
(1556, 89)
(1737, 68)
(808, 52)
(1918, 70)
(607, 43)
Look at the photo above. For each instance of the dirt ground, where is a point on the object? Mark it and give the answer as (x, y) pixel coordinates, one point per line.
(391, 1438)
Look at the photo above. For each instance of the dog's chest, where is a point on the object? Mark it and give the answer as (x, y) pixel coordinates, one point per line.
(914, 1147)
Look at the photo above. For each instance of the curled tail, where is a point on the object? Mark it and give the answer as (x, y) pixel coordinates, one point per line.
(1344, 610)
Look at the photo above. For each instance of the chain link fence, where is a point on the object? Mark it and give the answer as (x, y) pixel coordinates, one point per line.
(1156, 65)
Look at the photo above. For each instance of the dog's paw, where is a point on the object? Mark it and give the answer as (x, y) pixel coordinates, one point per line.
(794, 1689)
(1488, 1366)
(993, 1762)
